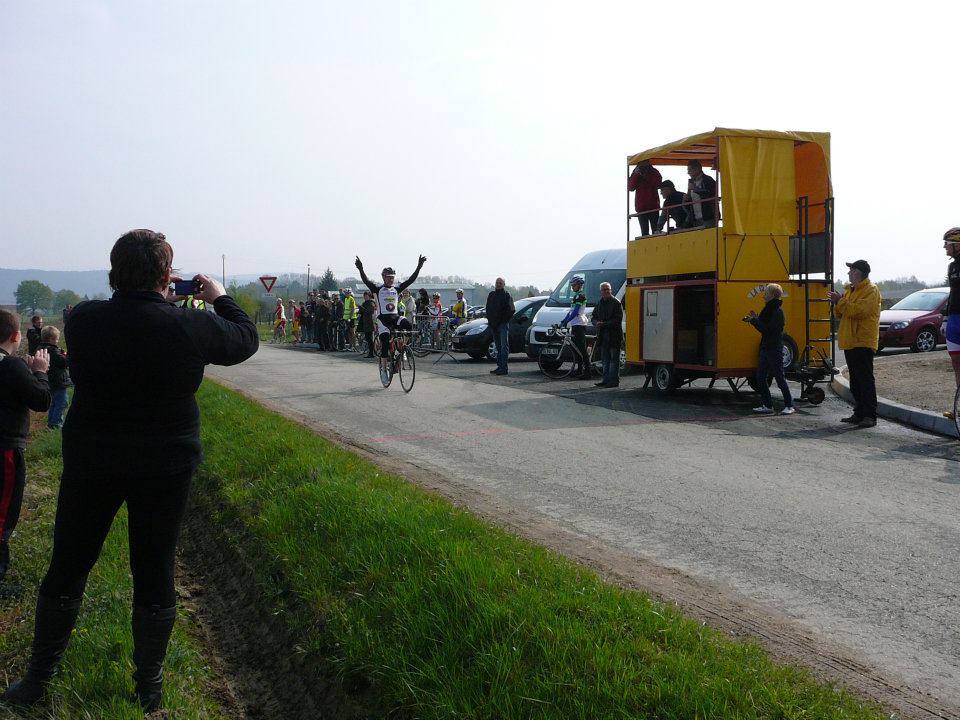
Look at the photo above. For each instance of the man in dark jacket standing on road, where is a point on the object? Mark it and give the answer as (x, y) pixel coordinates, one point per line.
(499, 311)
(769, 323)
(23, 387)
(608, 318)
(132, 436)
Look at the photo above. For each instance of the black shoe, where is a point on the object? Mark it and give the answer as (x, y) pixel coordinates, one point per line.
(151, 633)
(54, 623)
(499, 372)
(853, 420)
(867, 422)
(600, 384)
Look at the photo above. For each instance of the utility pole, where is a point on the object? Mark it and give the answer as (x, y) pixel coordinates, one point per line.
(223, 267)
(308, 277)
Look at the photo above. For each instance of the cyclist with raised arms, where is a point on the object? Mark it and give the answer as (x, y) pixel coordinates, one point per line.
(577, 320)
(387, 298)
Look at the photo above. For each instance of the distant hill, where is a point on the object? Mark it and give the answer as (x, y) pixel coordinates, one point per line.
(82, 282)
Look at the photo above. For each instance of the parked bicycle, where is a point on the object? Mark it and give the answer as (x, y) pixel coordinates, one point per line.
(559, 356)
(400, 361)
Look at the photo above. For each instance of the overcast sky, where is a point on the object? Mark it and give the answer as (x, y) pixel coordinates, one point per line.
(490, 136)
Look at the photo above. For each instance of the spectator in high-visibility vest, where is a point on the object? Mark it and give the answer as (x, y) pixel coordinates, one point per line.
(350, 315)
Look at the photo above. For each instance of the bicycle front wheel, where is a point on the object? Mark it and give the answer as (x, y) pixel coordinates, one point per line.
(406, 369)
(556, 366)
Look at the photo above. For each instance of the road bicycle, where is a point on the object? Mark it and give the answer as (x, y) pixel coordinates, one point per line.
(279, 333)
(421, 339)
(400, 361)
(559, 356)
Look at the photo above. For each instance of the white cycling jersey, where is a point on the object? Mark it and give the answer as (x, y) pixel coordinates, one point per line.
(388, 303)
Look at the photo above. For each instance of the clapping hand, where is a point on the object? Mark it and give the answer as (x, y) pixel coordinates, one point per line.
(39, 362)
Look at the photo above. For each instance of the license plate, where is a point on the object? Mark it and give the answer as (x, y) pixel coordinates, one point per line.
(550, 351)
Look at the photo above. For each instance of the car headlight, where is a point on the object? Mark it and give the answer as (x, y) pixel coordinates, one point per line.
(476, 330)
(900, 325)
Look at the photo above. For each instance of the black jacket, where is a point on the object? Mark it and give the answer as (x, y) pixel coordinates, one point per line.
(953, 278)
(136, 362)
(677, 214)
(33, 340)
(769, 323)
(59, 374)
(499, 308)
(20, 392)
(610, 312)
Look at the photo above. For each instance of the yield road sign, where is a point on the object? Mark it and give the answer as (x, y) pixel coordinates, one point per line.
(268, 281)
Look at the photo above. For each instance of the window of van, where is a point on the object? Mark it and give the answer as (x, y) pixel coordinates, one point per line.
(562, 296)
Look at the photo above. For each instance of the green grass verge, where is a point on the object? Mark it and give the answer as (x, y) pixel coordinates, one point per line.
(448, 616)
(95, 679)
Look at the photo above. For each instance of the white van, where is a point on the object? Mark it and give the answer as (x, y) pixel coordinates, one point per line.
(596, 267)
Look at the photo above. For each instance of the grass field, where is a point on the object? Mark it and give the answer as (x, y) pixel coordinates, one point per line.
(95, 680)
(441, 615)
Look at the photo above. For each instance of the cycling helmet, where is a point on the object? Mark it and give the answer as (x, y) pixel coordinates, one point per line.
(576, 279)
(388, 271)
(436, 294)
(459, 291)
(952, 235)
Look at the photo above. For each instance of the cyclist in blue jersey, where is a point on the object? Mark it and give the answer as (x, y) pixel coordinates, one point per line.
(577, 320)
(387, 299)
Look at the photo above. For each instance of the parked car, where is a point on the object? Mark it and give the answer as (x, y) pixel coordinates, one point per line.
(476, 338)
(916, 321)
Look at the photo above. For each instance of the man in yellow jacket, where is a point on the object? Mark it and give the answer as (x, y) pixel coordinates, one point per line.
(858, 308)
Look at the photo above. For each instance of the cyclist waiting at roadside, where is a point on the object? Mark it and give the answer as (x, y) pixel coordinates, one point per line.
(459, 310)
(951, 243)
(435, 311)
(577, 320)
(279, 321)
(387, 298)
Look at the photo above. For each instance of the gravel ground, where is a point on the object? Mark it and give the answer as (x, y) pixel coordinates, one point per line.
(921, 380)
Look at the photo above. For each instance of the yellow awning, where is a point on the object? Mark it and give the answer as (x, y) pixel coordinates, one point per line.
(703, 147)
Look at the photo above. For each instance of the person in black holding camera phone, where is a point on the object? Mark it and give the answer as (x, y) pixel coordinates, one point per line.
(132, 436)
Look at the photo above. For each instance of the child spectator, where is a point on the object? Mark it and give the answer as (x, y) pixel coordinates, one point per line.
(23, 387)
(33, 334)
(58, 376)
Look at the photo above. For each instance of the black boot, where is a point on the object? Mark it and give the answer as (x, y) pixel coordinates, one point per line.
(151, 633)
(52, 628)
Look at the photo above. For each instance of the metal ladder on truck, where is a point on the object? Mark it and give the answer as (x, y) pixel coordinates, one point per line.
(814, 365)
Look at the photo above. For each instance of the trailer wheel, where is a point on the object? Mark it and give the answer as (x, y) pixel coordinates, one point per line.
(665, 378)
(815, 395)
(789, 353)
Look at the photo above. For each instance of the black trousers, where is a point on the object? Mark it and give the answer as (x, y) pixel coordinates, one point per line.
(322, 335)
(862, 383)
(578, 334)
(13, 475)
(648, 221)
(87, 504)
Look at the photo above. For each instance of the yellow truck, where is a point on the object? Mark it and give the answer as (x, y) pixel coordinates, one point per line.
(769, 220)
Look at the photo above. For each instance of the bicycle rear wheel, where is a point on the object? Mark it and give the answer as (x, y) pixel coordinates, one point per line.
(558, 366)
(406, 368)
(956, 411)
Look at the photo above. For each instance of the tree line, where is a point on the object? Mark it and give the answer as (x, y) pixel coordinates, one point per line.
(36, 298)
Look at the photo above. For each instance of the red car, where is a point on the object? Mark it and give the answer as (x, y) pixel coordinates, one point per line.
(916, 321)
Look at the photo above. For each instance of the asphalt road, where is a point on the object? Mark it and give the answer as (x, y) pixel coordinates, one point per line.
(853, 533)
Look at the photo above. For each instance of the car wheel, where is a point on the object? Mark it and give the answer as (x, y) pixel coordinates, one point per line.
(492, 351)
(879, 349)
(926, 340)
